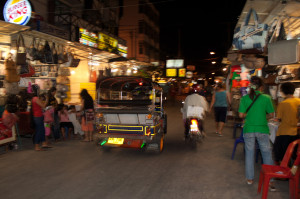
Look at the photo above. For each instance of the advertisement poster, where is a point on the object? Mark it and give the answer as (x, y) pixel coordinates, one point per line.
(107, 43)
(88, 38)
(181, 72)
(171, 72)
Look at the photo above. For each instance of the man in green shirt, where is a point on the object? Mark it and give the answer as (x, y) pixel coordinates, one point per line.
(256, 125)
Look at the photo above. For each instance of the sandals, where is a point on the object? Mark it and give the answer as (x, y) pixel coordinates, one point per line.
(249, 182)
(47, 147)
(40, 149)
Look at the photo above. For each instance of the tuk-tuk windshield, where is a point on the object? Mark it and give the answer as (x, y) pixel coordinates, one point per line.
(125, 88)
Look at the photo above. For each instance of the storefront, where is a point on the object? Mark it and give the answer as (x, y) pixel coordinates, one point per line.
(277, 60)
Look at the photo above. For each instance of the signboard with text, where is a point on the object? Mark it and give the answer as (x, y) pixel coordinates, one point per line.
(106, 42)
(181, 72)
(174, 63)
(88, 38)
(17, 11)
(171, 72)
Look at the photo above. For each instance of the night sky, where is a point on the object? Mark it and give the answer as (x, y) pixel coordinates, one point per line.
(204, 26)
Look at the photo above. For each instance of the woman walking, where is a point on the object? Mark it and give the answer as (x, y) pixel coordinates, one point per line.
(87, 121)
(220, 102)
(254, 107)
(38, 119)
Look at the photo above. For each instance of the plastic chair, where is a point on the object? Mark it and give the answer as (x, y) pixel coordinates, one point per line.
(238, 140)
(283, 171)
(241, 140)
(235, 126)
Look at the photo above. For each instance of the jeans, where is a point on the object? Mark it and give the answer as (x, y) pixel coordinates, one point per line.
(265, 149)
(39, 135)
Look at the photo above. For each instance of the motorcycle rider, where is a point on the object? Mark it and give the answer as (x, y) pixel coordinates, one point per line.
(194, 99)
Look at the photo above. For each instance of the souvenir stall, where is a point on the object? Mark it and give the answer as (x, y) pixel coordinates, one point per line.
(266, 45)
(9, 76)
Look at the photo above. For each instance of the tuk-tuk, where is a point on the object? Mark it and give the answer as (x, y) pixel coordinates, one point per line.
(130, 113)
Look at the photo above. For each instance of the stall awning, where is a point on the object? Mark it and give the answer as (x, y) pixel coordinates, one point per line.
(10, 28)
(268, 10)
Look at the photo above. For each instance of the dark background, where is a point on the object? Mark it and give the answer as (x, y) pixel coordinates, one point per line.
(203, 26)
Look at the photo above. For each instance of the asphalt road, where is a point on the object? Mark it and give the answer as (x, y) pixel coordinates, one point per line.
(74, 169)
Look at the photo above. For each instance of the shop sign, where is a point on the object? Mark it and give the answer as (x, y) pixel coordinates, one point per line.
(171, 72)
(107, 43)
(181, 72)
(189, 74)
(190, 67)
(17, 11)
(122, 50)
(175, 63)
(88, 38)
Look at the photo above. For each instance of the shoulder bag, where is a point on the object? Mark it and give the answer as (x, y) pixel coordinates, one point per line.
(252, 103)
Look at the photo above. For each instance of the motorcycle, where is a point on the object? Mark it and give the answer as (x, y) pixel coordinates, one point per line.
(194, 132)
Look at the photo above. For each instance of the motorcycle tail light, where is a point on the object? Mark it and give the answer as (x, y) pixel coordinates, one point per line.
(194, 125)
(194, 122)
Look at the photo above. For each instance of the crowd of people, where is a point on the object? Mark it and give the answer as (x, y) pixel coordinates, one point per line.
(62, 122)
(50, 119)
(256, 109)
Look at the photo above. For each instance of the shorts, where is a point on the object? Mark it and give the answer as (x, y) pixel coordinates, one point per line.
(220, 114)
(86, 126)
(66, 125)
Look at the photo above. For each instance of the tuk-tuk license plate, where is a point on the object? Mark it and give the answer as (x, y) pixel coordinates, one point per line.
(115, 140)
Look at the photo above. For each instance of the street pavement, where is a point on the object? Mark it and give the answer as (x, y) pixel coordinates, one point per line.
(74, 169)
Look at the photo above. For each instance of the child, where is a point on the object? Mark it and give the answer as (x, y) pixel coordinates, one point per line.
(48, 120)
(75, 122)
(65, 123)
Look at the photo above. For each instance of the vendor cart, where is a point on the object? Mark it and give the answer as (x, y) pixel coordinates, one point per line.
(130, 114)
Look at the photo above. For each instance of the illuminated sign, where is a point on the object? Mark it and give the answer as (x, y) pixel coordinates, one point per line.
(122, 50)
(174, 63)
(171, 72)
(189, 74)
(88, 38)
(181, 72)
(106, 42)
(17, 11)
(190, 67)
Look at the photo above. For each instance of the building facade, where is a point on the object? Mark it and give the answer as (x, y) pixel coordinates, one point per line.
(139, 26)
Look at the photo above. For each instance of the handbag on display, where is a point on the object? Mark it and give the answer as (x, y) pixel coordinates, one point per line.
(60, 53)
(32, 51)
(21, 54)
(252, 62)
(11, 71)
(26, 70)
(54, 53)
(40, 52)
(48, 57)
(75, 62)
(68, 57)
(251, 38)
